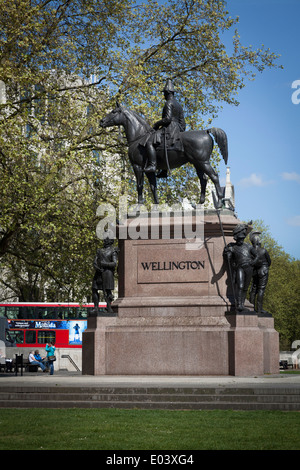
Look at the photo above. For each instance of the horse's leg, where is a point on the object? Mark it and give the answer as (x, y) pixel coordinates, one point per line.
(152, 181)
(213, 175)
(139, 175)
(203, 183)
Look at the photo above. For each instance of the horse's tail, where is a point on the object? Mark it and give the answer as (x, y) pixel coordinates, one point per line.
(221, 139)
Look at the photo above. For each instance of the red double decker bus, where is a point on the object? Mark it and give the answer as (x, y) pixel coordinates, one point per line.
(29, 326)
(33, 325)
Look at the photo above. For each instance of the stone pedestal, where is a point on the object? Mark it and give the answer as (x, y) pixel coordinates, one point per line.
(270, 344)
(174, 314)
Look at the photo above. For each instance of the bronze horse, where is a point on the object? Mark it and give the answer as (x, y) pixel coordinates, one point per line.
(197, 148)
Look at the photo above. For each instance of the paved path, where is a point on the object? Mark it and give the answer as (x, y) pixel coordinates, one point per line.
(75, 379)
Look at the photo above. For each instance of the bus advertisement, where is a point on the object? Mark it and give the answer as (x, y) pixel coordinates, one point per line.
(36, 333)
(32, 324)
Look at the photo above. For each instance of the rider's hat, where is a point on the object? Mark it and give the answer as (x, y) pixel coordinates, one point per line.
(169, 87)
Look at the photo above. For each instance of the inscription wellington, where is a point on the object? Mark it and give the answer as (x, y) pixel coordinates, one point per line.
(171, 265)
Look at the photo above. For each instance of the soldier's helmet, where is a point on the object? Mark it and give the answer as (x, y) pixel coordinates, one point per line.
(255, 237)
(240, 231)
(108, 236)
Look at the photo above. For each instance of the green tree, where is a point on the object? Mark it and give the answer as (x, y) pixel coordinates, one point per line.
(54, 159)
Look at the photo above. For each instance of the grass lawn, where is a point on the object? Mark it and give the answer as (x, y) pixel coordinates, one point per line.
(115, 429)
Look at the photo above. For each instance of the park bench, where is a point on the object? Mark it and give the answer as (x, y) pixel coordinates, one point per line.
(18, 363)
(23, 364)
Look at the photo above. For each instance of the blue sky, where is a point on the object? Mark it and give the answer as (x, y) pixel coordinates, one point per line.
(263, 131)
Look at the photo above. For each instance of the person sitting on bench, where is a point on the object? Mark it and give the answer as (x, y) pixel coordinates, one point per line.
(34, 362)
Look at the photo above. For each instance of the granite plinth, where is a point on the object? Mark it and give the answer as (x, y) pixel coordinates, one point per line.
(175, 313)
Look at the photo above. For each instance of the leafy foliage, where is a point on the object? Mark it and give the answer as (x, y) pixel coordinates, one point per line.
(63, 63)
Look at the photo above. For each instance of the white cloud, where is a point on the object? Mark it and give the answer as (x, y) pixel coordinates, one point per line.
(291, 176)
(253, 180)
(294, 221)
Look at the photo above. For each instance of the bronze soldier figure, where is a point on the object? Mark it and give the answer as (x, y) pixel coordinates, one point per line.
(172, 122)
(242, 258)
(260, 273)
(105, 263)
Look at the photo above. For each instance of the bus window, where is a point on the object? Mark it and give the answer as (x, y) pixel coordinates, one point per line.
(2, 311)
(40, 312)
(64, 313)
(15, 336)
(30, 336)
(26, 312)
(12, 312)
(73, 312)
(50, 312)
(45, 336)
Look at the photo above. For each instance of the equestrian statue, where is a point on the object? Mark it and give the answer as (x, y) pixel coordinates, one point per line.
(168, 145)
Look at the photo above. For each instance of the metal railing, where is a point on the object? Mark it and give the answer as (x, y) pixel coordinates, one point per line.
(71, 360)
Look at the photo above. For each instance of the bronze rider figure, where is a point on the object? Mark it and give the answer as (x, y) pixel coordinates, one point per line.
(172, 122)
